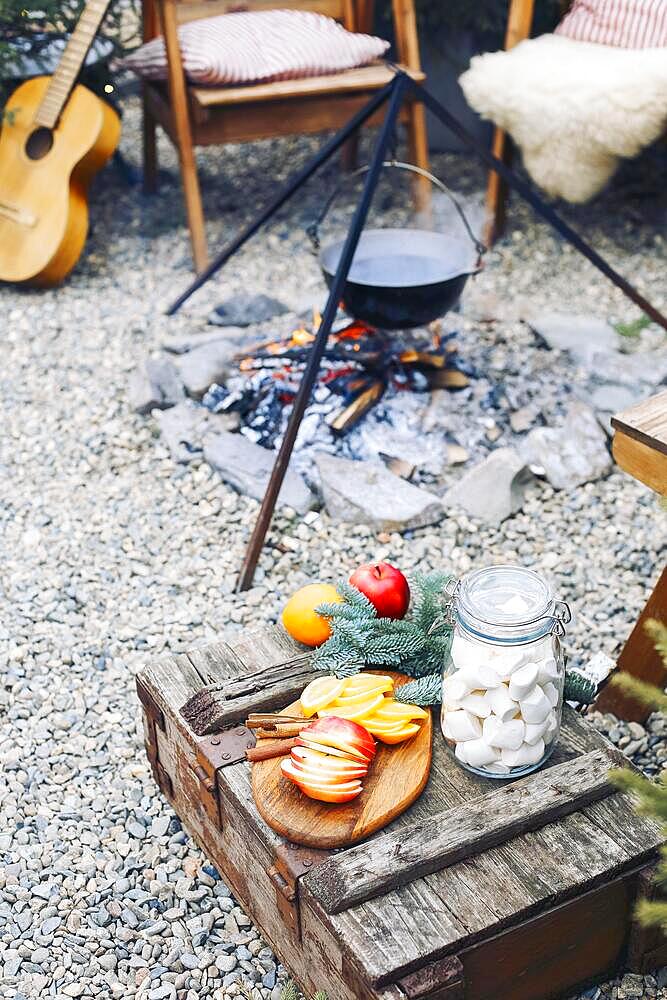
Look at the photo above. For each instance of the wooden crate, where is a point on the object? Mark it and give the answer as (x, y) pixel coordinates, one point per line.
(482, 890)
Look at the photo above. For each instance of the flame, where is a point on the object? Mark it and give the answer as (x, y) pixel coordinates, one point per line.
(301, 337)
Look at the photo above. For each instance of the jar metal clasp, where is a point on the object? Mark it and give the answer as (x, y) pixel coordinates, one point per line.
(562, 617)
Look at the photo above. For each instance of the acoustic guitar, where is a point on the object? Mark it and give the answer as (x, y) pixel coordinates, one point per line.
(55, 136)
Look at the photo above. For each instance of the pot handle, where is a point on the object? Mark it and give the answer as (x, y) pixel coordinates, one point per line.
(313, 230)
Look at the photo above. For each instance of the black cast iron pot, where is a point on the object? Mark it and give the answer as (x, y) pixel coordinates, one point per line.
(402, 277)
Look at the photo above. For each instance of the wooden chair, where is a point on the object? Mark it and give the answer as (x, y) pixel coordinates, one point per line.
(200, 116)
(519, 25)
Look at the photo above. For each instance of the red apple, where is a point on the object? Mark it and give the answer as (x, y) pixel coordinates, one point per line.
(385, 587)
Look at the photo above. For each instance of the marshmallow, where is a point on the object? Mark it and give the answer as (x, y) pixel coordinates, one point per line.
(454, 688)
(524, 755)
(515, 605)
(506, 659)
(497, 768)
(551, 691)
(465, 653)
(501, 704)
(461, 725)
(548, 670)
(477, 703)
(552, 727)
(535, 707)
(536, 731)
(506, 735)
(479, 753)
(523, 681)
(460, 752)
(479, 676)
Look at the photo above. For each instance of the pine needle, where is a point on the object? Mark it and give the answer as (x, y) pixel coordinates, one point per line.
(289, 991)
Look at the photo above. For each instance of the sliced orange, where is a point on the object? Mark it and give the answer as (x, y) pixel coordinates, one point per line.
(356, 712)
(376, 727)
(358, 698)
(320, 693)
(367, 682)
(398, 710)
(405, 733)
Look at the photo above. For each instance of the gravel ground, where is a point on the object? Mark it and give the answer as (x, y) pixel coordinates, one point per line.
(111, 554)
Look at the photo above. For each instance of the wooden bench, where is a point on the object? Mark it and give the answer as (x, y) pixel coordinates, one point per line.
(640, 448)
(483, 890)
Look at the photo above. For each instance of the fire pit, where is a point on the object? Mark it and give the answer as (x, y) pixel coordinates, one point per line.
(360, 363)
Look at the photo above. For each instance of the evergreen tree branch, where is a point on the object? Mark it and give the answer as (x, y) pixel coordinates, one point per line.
(424, 691)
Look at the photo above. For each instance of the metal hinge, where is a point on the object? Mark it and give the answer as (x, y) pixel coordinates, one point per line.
(212, 754)
(291, 861)
(441, 980)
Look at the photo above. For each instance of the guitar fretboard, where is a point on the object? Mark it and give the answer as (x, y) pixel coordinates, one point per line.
(70, 63)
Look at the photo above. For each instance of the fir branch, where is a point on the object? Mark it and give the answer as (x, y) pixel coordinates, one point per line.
(418, 645)
(348, 669)
(647, 694)
(425, 691)
(289, 991)
(658, 632)
(335, 611)
(578, 688)
(652, 914)
(356, 599)
(429, 605)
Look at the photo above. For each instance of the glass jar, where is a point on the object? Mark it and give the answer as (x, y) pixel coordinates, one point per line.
(502, 688)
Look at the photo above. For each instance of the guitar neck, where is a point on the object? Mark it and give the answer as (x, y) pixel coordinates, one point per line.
(70, 64)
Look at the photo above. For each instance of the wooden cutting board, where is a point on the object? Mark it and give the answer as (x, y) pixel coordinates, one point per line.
(395, 779)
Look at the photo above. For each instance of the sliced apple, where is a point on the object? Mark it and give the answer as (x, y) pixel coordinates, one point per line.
(320, 693)
(356, 712)
(291, 768)
(334, 751)
(341, 734)
(331, 793)
(319, 758)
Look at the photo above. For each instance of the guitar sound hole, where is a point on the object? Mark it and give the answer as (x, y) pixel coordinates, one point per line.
(39, 143)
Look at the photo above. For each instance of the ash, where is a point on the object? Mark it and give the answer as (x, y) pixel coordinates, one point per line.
(357, 359)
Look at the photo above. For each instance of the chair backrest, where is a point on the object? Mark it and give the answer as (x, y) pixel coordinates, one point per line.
(341, 10)
(352, 14)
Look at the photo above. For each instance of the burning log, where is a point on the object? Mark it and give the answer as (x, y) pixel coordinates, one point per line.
(358, 365)
(352, 414)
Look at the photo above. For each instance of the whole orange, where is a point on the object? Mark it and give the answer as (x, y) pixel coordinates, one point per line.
(299, 615)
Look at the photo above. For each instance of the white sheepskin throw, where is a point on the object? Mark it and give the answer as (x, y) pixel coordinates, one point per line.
(574, 108)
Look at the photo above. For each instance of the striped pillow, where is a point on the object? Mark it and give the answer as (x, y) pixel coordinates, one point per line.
(253, 46)
(624, 24)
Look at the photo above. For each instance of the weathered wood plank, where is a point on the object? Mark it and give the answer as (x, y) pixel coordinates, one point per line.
(475, 899)
(639, 835)
(171, 680)
(229, 701)
(364, 872)
(216, 662)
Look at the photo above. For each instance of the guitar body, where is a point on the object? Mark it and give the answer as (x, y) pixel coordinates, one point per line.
(43, 199)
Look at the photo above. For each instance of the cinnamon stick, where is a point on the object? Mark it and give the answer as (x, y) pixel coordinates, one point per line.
(288, 730)
(274, 750)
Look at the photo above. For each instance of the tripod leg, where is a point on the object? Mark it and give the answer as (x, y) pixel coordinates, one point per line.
(317, 350)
